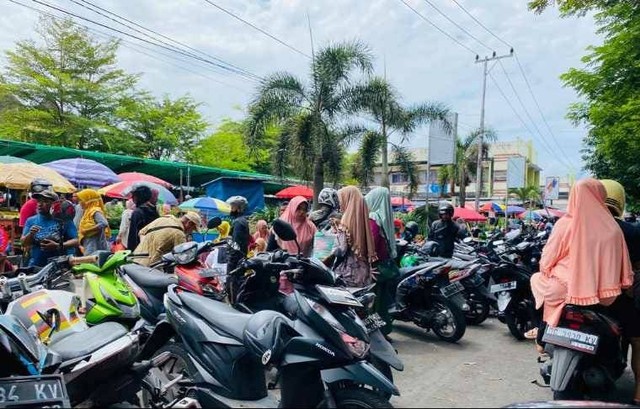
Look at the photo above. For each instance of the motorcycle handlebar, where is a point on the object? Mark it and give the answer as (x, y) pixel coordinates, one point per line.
(74, 261)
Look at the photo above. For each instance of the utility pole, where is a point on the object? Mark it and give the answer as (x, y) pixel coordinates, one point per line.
(485, 62)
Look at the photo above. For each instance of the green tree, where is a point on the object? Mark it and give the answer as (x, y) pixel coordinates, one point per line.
(609, 90)
(64, 90)
(311, 142)
(162, 129)
(383, 104)
(526, 194)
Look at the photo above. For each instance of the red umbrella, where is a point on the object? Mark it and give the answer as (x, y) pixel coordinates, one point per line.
(468, 215)
(399, 201)
(143, 177)
(293, 191)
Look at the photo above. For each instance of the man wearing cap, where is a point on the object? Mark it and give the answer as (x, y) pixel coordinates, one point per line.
(42, 233)
(30, 207)
(163, 234)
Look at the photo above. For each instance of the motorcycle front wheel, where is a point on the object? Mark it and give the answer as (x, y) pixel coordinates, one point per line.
(449, 323)
(478, 311)
(359, 398)
(179, 364)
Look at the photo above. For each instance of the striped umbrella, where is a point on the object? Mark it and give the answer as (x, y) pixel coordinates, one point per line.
(84, 172)
(208, 206)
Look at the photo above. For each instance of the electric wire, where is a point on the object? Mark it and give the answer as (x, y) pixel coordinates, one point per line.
(458, 25)
(481, 25)
(438, 28)
(245, 73)
(257, 28)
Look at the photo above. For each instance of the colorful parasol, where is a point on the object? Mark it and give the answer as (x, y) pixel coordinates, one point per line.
(121, 190)
(84, 172)
(20, 175)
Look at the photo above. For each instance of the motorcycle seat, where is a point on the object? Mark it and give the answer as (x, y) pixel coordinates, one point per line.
(148, 277)
(460, 264)
(86, 342)
(220, 315)
(407, 271)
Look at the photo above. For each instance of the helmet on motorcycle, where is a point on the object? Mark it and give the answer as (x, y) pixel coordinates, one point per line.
(63, 210)
(239, 201)
(141, 194)
(38, 185)
(412, 228)
(431, 248)
(266, 334)
(329, 197)
(445, 208)
(615, 197)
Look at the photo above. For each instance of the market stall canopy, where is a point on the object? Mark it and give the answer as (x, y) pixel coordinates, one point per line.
(493, 207)
(121, 190)
(550, 212)
(84, 172)
(208, 206)
(12, 159)
(530, 215)
(468, 215)
(515, 209)
(170, 171)
(143, 177)
(20, 175)
(293, 191)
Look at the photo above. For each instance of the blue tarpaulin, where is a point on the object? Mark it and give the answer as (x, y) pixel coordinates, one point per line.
(223, 188)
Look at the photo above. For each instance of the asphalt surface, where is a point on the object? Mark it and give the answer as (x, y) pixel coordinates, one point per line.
(486, 368)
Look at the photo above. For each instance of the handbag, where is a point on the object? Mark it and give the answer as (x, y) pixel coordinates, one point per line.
(323, 243)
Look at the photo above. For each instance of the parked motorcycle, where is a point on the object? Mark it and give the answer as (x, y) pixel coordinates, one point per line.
(587, 356)
(51, 358)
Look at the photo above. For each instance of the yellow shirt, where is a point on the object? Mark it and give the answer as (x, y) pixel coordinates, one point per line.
(159, 237)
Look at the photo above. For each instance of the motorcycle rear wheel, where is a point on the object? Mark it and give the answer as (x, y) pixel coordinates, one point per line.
(478, 312)
(519, 320)
(456, 323)
(359, 398)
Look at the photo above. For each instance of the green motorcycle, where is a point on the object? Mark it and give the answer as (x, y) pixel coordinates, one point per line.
(108, 297)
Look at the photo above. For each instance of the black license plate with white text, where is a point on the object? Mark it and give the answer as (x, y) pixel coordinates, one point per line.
(34, 391)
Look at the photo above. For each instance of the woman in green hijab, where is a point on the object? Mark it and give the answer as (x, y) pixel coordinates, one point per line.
(379, 204)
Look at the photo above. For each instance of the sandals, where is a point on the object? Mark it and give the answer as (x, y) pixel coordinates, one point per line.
(531, 334)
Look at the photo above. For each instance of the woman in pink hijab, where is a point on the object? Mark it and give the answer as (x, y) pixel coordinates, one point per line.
(262, 231)
(296, 215)
(585, 261)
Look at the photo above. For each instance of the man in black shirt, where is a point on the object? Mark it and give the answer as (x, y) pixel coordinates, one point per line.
(143, 214)
(240, 236)
(444, 231)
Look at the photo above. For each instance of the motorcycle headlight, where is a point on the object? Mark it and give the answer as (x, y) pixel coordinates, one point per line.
(185, 253)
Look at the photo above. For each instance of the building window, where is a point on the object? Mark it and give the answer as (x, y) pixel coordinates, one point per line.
(397, 178)
(500, 176)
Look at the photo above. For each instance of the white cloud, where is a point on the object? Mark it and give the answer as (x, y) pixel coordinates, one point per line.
(422, 63)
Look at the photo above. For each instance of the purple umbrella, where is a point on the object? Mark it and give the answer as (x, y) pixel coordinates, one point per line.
(84, 172)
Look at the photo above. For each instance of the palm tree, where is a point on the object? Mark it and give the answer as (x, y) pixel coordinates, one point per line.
(382, 103)
(311, 142)
(529, 193)
(462, 172)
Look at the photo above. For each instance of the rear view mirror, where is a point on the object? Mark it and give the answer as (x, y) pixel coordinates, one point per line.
(213, 223)
(284, 230)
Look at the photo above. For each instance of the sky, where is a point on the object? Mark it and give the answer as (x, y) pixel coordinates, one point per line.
(423, 64)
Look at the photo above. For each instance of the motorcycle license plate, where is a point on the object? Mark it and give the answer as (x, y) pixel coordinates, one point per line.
(34, 391)
(496, 288)
(572, 339)
(452, 289)
(374, 322)
(338, 296)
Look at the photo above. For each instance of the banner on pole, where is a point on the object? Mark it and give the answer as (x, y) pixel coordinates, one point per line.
(516, 172)
(552, 188)
(442, 143)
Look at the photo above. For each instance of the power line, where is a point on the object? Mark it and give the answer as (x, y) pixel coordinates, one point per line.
(438, 28)
(458, 25)
(535, 100)
(526, 111)
(130, 45)
(258, 28)
(161, 35)
(481, 25)
(515, 112)
(243, 73)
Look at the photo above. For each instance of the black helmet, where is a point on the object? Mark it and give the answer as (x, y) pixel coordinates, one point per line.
(38, 185)
(445, 208)
(412, 228)
(431, 248)
(266, 334)
(141, 194)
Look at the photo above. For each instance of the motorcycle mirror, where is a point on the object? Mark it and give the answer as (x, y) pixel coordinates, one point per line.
(213, 223)
(284, 230)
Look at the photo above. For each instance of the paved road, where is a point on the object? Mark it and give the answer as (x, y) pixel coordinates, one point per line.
(487, 368)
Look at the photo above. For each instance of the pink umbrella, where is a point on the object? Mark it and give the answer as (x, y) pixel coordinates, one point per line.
(468, 215)
(143, 177)
(293, 191)
(399, 201)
